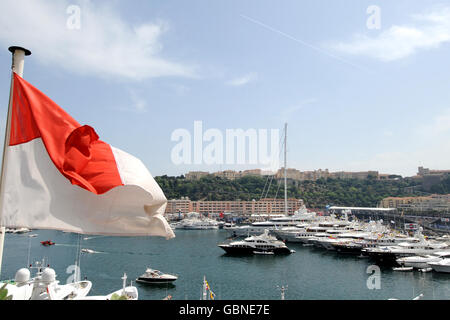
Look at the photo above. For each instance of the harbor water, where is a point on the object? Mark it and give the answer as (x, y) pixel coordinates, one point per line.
(309, 273)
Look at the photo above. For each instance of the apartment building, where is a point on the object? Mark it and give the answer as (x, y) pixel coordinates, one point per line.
(266, 206)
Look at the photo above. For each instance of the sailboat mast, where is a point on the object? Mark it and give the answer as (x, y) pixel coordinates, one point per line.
(285, 178)
(18, 61)
(204, 289)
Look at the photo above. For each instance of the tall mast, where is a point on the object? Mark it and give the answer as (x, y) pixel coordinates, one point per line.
(204, 296)
(18, 60)
(285, 179)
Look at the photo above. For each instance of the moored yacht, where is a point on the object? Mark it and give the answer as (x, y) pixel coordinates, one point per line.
(421, 262)
(289, 234)
(273, 224)
(390, 254)
(197, 224)
(441, 266)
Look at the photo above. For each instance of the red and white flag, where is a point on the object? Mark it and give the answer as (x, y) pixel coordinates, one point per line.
(59, 175)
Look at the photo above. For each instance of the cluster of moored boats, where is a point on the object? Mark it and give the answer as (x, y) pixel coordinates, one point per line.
(195, 221)
(373, 239)
(17, 230)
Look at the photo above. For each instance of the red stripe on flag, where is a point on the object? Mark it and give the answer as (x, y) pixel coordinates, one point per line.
(75, 150)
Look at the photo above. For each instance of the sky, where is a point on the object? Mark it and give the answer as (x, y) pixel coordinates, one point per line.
(363, 85)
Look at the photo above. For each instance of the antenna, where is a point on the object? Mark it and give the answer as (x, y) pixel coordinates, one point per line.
(124, 278)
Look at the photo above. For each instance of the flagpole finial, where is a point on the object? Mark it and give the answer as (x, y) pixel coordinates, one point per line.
(18, 59)
(12, 49)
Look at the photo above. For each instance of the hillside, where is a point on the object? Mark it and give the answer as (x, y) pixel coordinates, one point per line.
(316, 194)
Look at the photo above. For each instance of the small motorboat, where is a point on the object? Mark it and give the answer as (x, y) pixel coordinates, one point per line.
(152, 276)
(47, 243)
(403, 269)
(426, 269)
(88, 251)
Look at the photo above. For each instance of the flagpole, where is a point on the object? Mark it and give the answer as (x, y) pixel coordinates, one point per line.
(18, 61)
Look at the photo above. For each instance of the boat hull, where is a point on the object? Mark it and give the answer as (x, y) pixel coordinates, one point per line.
(348, 249)
(155, 281)
(383, 258)
(439, 268)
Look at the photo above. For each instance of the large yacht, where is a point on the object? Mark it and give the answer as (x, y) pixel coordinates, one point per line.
(441, 266)
(305, 235)
(273, 224)
(197, 224)
(257, 244)
(390, 254)
(355, 242)
(289, 234)
(421, 262)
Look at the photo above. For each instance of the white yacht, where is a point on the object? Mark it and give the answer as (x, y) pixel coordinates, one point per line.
(126, 293)
(382, 239)
(390, 254)
(45, 287)
(421, 261)
(330, 237)
(344, 242)
(289, 234)
(441, 266)
(256, 244)
(152, 276)
(273, 224)
(197, 224)
(305, 235)
(17, 230)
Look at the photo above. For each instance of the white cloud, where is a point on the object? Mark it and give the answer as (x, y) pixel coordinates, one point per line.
(429, 31)
(243, 80)
(105, 45)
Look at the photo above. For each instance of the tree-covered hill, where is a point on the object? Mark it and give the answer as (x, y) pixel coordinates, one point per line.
(316, 194)
(442, 188)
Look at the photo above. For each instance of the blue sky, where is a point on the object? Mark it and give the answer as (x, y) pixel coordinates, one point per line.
(355, 98)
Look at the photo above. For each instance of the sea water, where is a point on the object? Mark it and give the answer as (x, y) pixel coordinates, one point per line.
(309, 273)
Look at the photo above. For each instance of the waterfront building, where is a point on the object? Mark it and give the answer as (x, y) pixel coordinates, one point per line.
(182, 205)
(435, 202)
(240, 207)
